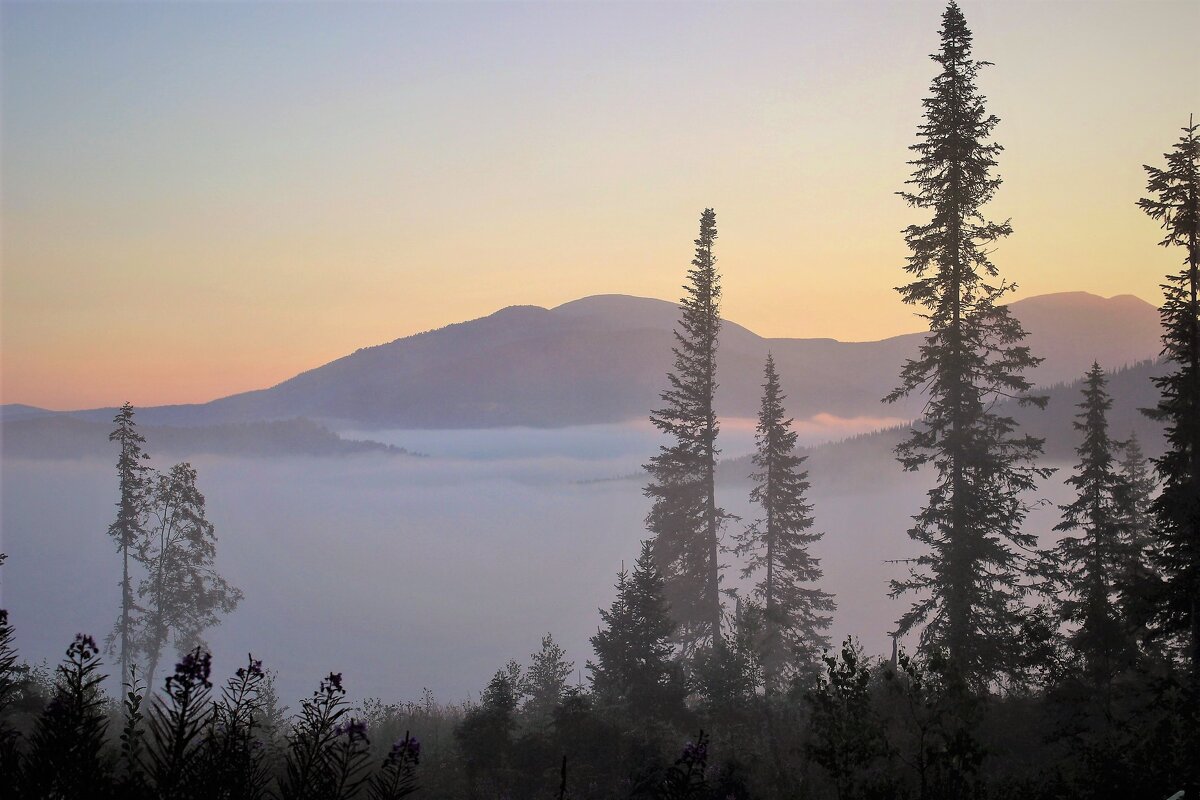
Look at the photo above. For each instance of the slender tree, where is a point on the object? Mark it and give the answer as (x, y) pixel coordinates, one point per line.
(1136, 580)
(968, 581)
(684, 518)
(1175, 202)
(128, 529)
(183, 593)
(1085, 563)
(795, 611)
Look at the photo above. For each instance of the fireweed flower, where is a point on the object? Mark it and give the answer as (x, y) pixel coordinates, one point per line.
(193, 670)
(332, 685)
(83, 647)
(254, 670)
(407, 748)
(356, 729)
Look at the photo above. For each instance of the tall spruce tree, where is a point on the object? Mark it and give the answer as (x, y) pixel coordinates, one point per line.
(128, 529)
(1175, 202)
(795, 611)
(968, 581)
(634, 671)
(1136, 579)
(1085, 565)
(684, 518)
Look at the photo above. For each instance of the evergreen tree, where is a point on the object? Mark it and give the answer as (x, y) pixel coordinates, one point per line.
(795, 612)
(684, 518)
(1175, 202)
(1084, 567)
(182, 591)
(546, 681)
(128, 529)
(968, 582)
(1136, 579)
(634, 671)
(485, 737)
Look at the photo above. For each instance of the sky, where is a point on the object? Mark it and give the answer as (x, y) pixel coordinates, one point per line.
(203, 198)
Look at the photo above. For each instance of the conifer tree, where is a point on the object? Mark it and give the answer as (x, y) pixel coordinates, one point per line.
(128, 530)
(795, 611)
(1086, 562)
(546, 680)
(968, 581)
(684, 518)
(1175, 202)
(634, 670)
(1136, 580)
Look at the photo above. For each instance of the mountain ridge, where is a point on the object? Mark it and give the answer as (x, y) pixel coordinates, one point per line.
(603, 358)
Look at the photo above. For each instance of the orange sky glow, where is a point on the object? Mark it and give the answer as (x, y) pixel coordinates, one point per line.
(209, 198)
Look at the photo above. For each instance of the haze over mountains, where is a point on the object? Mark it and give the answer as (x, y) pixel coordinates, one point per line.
(603, 359)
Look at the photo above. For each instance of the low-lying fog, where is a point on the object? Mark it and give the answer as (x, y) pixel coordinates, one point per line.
(405, 573)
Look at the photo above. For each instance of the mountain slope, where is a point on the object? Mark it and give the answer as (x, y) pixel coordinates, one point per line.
(63, 436)
(869, 459)
(604, 358)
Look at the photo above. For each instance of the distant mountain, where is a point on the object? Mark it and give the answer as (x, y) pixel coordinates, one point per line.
(62, 436)
(604, 359)
(10, 411)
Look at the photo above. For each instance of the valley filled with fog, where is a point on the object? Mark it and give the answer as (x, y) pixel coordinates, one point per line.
(411, 572)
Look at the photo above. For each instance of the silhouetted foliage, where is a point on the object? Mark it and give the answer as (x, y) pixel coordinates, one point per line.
(1175, 202)
(546, 682)
(128, 529)
(684, 519)
(1082, 568)
(327, 749)
(66, 749)
(968, 581)
(634, 671)
(182, 592)
(795, 613)
(685, 779)
(1136, 580)
(397, 777)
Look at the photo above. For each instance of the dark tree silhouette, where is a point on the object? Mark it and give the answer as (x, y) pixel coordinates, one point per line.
(1175, 202)
(634, 671)
(485, 737)
(1136, 580)
(795, 611)
(65, 758)
(546, 681)
(182, 591)
(128, 529)
(1084, 565)
(684, 518)
(968, 582)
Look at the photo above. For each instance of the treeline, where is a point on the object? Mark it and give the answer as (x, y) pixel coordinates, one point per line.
(1060, 671)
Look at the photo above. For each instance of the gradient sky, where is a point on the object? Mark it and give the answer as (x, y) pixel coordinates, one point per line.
(200, 199)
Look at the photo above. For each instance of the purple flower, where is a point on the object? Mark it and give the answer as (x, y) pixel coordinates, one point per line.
(408, 748)
(694, 753)
(193, 670)
(356, 729)
(84, 647)
(332, 685)
(253, 670)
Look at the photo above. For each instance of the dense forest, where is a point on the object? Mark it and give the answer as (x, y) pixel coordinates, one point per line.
(1060, 670)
